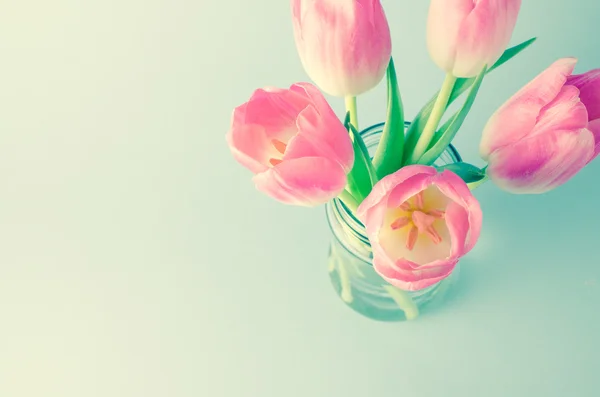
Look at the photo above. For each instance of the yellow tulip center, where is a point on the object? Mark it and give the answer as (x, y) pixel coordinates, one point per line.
(419, 219)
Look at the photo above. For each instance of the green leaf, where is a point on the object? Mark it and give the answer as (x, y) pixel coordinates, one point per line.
(467, 172)
(362, 177)
(453, 125)
(511, 52)
(358, 142)
(388, 157)
(347, 120)
(460, 87)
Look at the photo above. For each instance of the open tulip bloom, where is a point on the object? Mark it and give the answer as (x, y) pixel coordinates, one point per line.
(418, 217)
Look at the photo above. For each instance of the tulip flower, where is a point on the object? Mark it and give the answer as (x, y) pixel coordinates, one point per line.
(345, 46)
(293, 142)
(541, 137)
(463, 36)
(420, 222)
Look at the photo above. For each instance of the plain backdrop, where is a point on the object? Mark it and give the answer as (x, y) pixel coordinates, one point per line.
(137, 259)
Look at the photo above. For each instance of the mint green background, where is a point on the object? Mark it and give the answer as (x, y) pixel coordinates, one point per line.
(136, 258)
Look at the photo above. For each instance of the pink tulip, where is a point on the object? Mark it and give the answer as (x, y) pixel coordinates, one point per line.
(345, 46)
(293, 142)
(541, 137)
(420, 223)
(463, 36)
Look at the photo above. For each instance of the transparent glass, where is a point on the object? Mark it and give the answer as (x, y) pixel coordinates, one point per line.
(351, 260)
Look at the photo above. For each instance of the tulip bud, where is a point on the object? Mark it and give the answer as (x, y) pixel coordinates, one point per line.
(463, 36)
(345, 46)
(542, 136)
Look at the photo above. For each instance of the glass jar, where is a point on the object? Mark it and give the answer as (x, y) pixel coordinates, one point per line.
(351, 260)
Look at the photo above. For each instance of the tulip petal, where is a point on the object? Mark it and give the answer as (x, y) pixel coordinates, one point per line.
(517, 118)
(589, 87)
(385, 186)
(276, 111)
(308, 181)
(315, 97)
(552, 159)
(484, 35)
(410, 280)
(594, 127)
(248, 144)
(320, 132)
(453, 187)
(410, 187)
(459, 226)
(444, 23)
(565, 112)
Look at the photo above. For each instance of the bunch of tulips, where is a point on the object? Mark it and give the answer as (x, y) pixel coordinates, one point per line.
(420, 219)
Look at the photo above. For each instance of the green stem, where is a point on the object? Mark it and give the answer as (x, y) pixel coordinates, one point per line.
(404, 302)
(434, 118)
(346, 288)
(352, 109)
(349, 200)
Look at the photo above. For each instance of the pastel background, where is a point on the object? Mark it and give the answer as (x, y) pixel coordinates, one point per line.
(137, 260)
